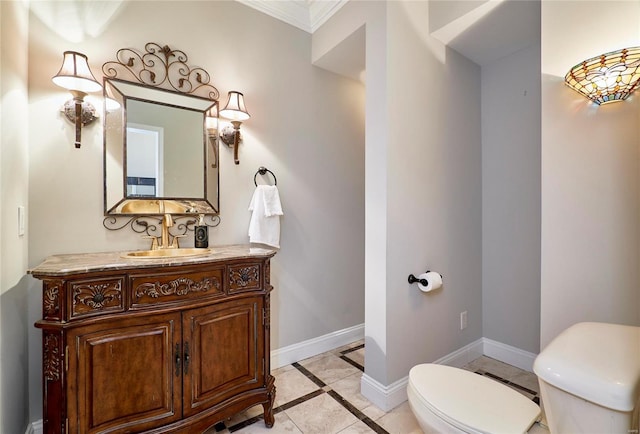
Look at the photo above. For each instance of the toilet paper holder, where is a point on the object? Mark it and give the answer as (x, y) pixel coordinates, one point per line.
(423, 282)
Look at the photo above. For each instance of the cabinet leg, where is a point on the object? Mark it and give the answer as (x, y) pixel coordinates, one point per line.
(268, 414)
(268, 406)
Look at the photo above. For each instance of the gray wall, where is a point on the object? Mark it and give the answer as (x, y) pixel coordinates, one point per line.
(435, 199)
(348, 21)
(423, 200)
(14, 169)
(307, 126)
(511, 200)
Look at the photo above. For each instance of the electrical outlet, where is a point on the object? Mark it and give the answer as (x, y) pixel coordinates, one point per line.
(463, 320)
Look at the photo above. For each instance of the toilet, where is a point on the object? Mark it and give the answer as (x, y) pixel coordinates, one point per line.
(589, 378)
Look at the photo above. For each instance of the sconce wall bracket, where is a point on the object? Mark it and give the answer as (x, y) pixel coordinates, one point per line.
(88, 112)
(230, 136)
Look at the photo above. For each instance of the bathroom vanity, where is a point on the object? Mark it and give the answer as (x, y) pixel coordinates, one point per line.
(155, 345)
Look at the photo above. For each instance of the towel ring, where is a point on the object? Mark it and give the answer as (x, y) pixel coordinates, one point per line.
(263, 171)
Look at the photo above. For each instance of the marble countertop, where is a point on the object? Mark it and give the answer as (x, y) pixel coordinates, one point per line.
(63, 265)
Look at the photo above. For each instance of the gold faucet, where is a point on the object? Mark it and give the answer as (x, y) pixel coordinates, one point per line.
(167, 222)
(167, 241)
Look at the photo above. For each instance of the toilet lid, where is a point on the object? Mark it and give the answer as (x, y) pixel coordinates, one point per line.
(472, 402)
(598, 362)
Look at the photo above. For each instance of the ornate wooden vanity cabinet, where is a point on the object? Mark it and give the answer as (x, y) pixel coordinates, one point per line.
(154, 345)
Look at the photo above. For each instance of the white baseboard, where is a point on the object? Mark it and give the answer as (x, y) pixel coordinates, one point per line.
(312, 347)
(36, 427)
(389, 397)
(384, 397)
(506, 353)
(462, 356)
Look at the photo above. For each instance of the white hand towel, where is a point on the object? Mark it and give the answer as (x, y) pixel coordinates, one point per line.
(264, 226)
(272, 206)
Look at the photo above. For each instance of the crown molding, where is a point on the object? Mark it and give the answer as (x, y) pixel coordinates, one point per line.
(307, 15)
(321, 10)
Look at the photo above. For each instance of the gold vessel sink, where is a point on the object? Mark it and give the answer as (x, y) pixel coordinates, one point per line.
(166, 253)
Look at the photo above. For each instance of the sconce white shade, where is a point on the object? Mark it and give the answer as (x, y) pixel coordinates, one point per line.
(607, 78)
(235, 109)
(75, 74)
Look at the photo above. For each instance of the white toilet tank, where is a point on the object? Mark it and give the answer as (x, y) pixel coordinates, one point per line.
(589, 379)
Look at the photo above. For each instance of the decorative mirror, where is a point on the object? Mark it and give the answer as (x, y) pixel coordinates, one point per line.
(160, 147)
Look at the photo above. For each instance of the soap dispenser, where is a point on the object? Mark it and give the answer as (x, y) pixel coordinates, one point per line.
(201, 240)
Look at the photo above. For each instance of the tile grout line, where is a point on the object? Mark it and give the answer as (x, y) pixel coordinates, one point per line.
(352, 363)
(510, 383)
(357, 413)
(343, 356)
(346, 404)
(276, 410)
(352, 349)
(318, 382)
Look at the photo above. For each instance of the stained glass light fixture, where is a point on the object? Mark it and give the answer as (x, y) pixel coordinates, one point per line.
(607, 78)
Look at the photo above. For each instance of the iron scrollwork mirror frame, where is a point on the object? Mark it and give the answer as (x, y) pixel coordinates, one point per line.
(159, 76)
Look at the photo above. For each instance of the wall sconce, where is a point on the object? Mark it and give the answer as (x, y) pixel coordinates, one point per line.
(75, 76)
(236, 111)
(607, 78)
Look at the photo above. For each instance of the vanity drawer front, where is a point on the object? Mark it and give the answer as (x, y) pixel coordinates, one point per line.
(96, 296)
(157, 288)
(244, 277)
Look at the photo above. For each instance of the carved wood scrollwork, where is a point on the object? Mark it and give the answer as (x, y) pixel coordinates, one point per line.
(51, 299)
(269, 418)
(181, 286)
(51, 357)
(267, 272)
(244, 277)
(267, 312)
(98, 296)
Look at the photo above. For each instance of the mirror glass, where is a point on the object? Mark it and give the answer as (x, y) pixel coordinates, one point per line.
(160, 152)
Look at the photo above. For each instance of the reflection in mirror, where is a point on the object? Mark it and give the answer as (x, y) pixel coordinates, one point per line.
(175, 170)
(158, 155)
(145, 160)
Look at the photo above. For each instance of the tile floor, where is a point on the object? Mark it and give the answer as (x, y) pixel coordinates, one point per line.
(322, 395)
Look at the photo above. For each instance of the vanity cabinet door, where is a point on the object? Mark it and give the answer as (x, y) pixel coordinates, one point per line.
(125, 375)
(226, 352)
